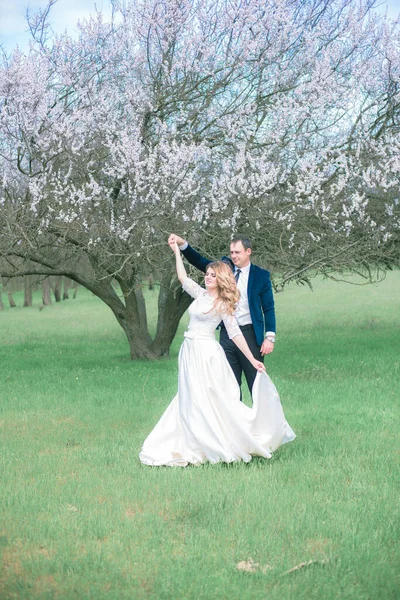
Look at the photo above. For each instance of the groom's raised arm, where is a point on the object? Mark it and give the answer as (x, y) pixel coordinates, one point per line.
(195, 258)
(191, 255)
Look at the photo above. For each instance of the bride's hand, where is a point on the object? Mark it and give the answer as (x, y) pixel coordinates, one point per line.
(180, 241)
(173, 245)
(259, 366)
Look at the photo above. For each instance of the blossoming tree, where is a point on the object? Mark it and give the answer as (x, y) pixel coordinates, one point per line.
(205, 117)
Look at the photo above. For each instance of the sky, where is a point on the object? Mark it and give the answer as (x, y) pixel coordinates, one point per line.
(66, 13)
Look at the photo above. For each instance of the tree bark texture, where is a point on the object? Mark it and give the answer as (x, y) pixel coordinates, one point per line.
(141, 304)
(133, 320)
(46, 296)
(67, 285)
(11, 300)
(57, 287)
(28, 290)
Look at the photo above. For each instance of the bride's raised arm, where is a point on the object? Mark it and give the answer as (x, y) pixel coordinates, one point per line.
(191, 287)
(180, 269)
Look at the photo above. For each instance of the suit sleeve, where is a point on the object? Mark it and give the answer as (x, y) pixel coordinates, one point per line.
(196, 259)
(267, 304)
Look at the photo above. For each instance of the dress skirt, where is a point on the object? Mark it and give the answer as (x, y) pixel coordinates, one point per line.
(206, 421)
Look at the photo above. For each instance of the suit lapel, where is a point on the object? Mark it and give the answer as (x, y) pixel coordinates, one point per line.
(250, 282)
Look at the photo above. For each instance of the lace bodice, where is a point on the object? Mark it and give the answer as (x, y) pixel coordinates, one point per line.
(202, 321)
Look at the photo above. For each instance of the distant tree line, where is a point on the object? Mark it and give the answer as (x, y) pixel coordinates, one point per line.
(58, 287)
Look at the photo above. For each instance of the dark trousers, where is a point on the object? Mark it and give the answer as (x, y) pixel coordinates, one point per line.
(237, 359)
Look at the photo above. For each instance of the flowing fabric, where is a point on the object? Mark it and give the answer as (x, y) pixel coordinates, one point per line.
(206, 421)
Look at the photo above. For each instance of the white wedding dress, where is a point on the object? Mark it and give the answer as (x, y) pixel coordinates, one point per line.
(206, 421)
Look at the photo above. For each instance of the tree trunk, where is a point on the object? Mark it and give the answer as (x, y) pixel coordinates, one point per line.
(11, 299)
(46, 296)
(127, 315)
(75, 286)
(137, 339)
(67, 285)
(56, 287)
(28, 290)
(134, 322)
(172, 303)
(1, 302)
(131, 316)
(141, 304)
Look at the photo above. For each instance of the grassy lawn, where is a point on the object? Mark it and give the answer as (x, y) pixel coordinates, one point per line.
(82, 518)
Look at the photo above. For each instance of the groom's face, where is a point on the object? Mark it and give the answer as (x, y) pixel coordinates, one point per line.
(240, 257)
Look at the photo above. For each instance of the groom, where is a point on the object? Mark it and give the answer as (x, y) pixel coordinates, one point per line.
(255, 312)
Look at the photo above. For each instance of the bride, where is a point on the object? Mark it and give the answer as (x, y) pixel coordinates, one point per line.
(206, 421)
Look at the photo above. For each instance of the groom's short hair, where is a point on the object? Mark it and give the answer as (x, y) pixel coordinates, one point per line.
(242, 238)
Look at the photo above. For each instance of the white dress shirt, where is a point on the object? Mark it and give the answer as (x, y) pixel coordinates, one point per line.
(243, 310)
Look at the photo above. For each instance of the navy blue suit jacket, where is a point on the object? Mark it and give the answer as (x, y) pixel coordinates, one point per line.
(259, 292)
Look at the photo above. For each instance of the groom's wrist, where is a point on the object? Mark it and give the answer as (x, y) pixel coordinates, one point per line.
(270, 336)
(184, 246)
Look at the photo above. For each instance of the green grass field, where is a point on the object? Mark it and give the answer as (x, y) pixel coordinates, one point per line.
(82, 518)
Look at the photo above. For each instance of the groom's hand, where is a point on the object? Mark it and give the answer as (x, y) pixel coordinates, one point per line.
(266, 348)
(175, 238)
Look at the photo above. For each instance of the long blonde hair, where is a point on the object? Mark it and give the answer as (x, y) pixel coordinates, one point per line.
(228, 294)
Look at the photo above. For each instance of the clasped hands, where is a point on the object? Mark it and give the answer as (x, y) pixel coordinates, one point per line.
(174, 247)
(175, 241)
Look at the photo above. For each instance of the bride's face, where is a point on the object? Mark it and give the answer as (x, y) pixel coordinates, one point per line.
(210, 280)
